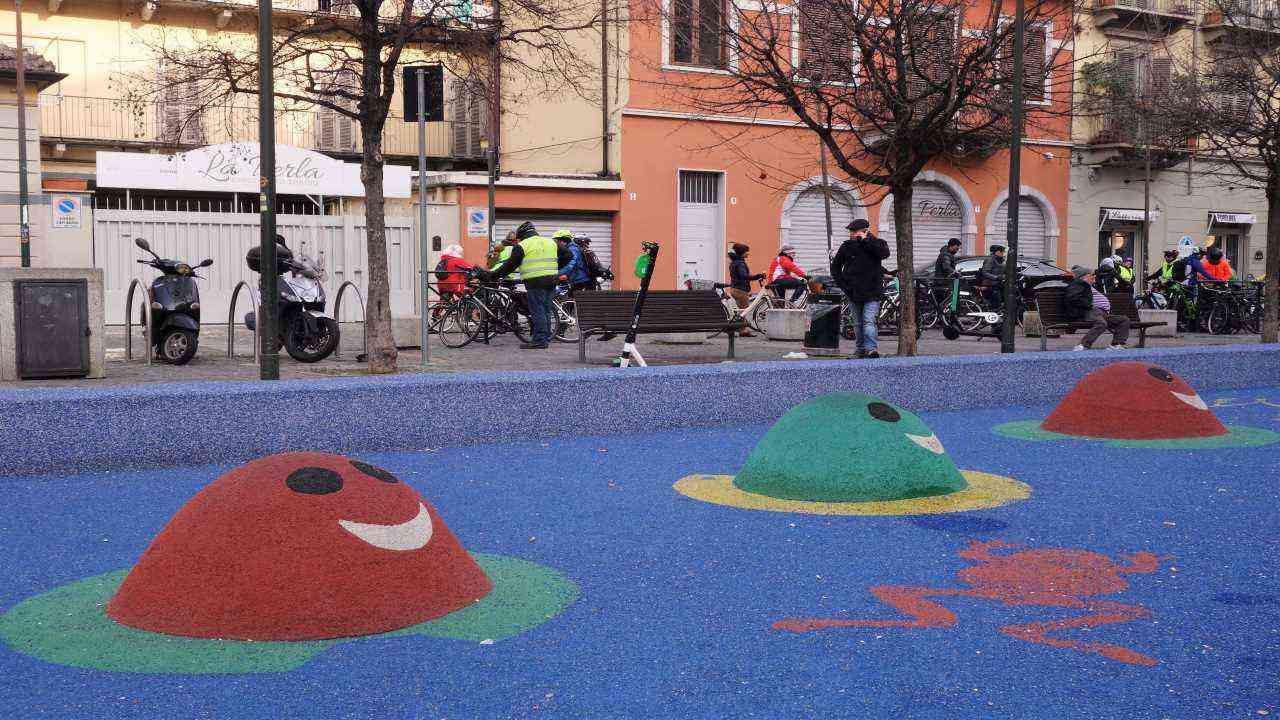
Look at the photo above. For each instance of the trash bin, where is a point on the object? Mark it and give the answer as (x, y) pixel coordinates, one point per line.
(822, 327)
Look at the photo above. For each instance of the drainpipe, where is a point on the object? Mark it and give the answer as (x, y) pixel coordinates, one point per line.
(604, 87)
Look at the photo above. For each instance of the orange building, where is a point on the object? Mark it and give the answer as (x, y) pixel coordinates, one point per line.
(696, 183)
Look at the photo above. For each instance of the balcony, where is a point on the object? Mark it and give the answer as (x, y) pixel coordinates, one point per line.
(111, 123)
(1250, 20)
(1160, 16)
(1126, 133)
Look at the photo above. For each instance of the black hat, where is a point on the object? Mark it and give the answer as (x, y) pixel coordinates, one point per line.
(997, 248)
(857, 225)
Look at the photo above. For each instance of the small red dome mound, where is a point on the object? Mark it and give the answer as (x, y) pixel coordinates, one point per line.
(1133, 401)
(299, 546)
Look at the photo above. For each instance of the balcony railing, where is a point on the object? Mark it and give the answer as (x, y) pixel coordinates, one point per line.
(1126, 124)
(111, 122)
(1256, 15)
(1161, 15)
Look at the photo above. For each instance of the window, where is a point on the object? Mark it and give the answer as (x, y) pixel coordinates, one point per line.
(179, 118)
(826, 43)
(933, 48)
(698, 33)
(336, 132)
(1035, 67)
(469, 113)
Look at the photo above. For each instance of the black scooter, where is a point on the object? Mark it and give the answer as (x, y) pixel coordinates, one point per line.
(175, 308)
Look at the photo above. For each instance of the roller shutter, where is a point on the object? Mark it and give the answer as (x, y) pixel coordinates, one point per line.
(597, 226)
(1031, 234)
(809, 228)
(936, 218)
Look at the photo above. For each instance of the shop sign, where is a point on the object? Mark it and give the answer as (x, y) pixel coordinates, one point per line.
(932, 209)
(1234, 218)
(1125, 215)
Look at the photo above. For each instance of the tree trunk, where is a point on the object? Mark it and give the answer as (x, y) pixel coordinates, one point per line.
(1270, 324)
(382, 345)
(902, 196)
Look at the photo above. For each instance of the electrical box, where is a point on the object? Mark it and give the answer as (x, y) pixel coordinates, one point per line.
(52, 328)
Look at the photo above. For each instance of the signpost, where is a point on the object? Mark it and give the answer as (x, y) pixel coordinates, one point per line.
(425, 102)
(268, 322)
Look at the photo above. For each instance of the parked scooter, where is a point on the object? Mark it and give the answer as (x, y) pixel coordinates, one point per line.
(175, 308)
(307, 333)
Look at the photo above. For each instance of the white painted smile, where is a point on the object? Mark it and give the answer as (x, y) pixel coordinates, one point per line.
(409, 535)
(928, 442)
(1193, 400)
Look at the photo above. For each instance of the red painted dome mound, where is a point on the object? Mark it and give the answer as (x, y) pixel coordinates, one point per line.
(299, 546)
(1133, 401)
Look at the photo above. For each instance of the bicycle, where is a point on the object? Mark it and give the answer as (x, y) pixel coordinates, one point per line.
(1228, 310)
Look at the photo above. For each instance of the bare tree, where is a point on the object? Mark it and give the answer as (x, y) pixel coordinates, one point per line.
(1234, 108)
(345, 58)
(887, 86)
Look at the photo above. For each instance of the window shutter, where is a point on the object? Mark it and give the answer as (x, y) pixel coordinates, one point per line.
(1033, 64)
(1126, 72)
(826, 50)
(682, 31)
(1161, 81)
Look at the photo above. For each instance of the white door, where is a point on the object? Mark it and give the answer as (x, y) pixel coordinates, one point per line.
(935, 218)
(808, 232)
(699, 240)
(1031, 233)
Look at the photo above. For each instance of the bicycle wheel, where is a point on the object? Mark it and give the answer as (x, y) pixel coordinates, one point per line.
(460, 324)
(967, 317)
(566, 316)
(760, 315)
(1253, 317)
(1219, 320)
(927, 314)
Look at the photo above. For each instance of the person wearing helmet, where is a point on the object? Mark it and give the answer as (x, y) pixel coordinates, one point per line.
(1167, 273)
(740, 277)
(785, 273)
(539, 260)
(1217, 266)
(1196, 270)
(575, 267)
(595, 270)
(1105, 277)
(1124, 275)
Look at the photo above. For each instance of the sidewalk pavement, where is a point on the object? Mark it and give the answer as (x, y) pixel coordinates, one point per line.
(212, 363)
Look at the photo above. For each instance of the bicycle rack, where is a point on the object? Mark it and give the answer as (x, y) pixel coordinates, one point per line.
(337, 315)
(128, 317)
(231, 320)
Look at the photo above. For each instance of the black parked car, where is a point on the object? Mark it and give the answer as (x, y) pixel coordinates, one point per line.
(1037, 272)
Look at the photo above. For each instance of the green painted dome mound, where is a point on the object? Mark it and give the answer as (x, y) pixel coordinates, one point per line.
(849, 447)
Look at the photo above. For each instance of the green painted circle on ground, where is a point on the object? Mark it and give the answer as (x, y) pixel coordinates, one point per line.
(1237, 436)
(69, 626)
(849, 447)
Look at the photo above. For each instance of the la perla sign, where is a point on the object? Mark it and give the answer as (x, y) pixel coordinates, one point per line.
(932, 209)
(225, 167)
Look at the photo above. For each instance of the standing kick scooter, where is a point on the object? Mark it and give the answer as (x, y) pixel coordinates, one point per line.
(629, 352)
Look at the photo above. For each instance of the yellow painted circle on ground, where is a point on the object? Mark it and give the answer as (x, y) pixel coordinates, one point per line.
(985, 491)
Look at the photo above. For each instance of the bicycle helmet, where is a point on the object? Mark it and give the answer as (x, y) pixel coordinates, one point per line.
(526, 230)
(561, 234)
(582, 239)
(1170, 253)
(787, 250)
(1215, 253)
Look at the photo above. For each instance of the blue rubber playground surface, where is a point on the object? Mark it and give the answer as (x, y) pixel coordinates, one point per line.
(677, 599)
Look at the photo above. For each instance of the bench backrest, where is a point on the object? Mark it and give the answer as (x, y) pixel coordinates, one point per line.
(663, 310)
(1049, 303)
(1122, 304)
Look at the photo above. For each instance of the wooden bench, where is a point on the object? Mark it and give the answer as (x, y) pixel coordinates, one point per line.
(665, 311)
(1122, 303)
(1053, 314)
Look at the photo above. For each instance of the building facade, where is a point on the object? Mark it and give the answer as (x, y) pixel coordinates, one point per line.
(1138, 50)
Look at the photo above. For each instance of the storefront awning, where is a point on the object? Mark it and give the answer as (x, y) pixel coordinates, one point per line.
(1232, 218)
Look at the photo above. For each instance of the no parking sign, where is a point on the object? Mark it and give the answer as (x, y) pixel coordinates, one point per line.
(66, 211)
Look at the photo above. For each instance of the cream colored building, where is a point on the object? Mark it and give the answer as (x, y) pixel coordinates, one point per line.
(1193, 200)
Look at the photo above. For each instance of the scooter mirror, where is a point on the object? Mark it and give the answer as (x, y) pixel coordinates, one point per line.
(142, 244)
(206, 263)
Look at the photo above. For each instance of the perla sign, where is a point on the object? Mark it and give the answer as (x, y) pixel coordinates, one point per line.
(236, 167)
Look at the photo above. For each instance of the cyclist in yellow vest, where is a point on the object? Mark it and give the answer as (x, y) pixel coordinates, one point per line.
(1124, 275)
(539, 260)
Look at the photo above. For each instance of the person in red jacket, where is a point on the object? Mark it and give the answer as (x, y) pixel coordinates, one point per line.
(451, 272)
(785, 273)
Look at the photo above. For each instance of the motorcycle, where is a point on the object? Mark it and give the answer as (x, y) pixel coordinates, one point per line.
(175, 307)
(308, 335)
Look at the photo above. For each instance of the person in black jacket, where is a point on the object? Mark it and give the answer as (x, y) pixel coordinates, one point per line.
(991, 277)
(1082, 302)
(857, 271)
(740, 278)
(945, 266)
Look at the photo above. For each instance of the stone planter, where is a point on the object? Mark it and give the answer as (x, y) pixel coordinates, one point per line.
(1168, 317)
(785, 325)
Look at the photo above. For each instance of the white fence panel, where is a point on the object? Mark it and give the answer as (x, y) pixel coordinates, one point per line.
(226, 237)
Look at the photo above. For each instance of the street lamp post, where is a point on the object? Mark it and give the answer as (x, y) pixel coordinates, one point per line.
(24, 214)
(1015, 186)
(268, 320)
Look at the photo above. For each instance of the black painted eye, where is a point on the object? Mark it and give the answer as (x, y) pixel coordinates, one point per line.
(881, 411)
(1160, 374)
(314, 481)
(374, 471)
